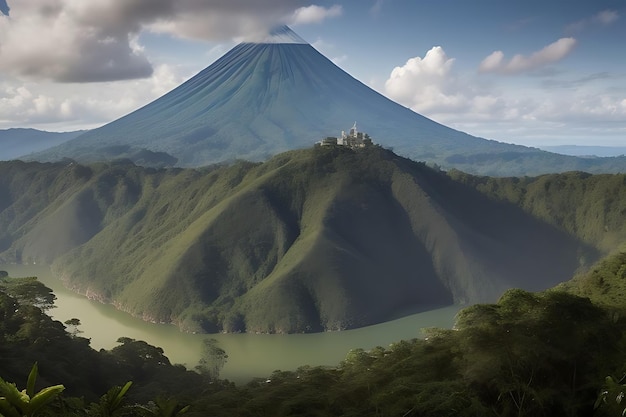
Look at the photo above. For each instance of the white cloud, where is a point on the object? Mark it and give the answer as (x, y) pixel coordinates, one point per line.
(314, 14)
(603, 18)
(65, 107)
(219, 20)
(431, 86)
(58, 40)
(606, 17)
(164, 79)
(552, 53)
(97, 40)
(541, 119)
(242, 20)
(23, 105)
(493, 62)
(425, 84)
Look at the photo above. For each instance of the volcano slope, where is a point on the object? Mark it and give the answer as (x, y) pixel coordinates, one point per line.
(260, 99)
(320, 239)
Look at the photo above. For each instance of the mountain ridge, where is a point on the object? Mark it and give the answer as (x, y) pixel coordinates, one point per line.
(17, 142)
(320, 239)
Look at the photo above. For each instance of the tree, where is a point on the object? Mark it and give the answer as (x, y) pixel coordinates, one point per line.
(72, 326)
(213, 359)
(518, 353)
(30, 291)
(139, 357)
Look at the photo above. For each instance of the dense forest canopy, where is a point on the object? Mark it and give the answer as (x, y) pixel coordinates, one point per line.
(529, 354)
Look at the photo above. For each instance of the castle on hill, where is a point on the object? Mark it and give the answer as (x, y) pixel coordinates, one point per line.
(353, 140)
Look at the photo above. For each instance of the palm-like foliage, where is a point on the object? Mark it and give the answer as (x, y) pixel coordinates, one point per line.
(26, 403)
(111, 404)
(165, 407)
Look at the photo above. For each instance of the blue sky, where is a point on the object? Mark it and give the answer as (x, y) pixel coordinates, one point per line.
(536, 73)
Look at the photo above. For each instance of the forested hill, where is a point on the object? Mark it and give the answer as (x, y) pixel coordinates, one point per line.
(317, 239)
(590, 207)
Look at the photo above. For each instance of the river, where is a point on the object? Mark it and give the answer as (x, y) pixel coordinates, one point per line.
(249, 355)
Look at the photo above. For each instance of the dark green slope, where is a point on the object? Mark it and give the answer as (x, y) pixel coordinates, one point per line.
(591, 207)
(325, 238)
(604, 283)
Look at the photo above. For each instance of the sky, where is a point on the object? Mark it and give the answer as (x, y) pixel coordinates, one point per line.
(535, 73)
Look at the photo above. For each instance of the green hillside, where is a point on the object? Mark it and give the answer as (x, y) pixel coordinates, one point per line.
(604, 283)
(318, 239)
(590, 207)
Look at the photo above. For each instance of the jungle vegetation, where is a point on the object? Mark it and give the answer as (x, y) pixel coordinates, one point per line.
(551, 353)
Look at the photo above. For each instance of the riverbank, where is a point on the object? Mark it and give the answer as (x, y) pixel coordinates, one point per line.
(249, 355)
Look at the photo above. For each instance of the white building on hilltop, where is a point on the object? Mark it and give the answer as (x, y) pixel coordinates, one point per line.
(354, 139)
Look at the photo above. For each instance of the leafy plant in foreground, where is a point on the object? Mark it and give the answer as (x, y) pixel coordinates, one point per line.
(165, 407)
(612, 398)
(111, 404)
(26, 403)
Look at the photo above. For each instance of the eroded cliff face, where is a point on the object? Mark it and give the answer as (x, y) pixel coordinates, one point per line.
(320, 239)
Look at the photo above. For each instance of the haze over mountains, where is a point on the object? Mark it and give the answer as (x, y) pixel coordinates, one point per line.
(579, 150)
(15, 143)
(260, 99)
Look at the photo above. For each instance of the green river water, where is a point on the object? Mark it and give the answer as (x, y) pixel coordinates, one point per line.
(249, 355)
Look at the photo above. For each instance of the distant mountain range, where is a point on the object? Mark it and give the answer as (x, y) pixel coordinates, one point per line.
(15, 143)
(320, 239)
(587, 151)
(260, 99)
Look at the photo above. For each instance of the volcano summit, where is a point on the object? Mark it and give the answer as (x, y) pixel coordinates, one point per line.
(260, 99)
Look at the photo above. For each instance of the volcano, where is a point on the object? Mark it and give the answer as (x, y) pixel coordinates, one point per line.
(263, 98)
